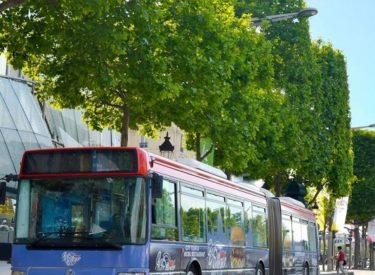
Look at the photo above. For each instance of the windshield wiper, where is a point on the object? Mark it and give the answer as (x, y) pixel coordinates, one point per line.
(42, 236)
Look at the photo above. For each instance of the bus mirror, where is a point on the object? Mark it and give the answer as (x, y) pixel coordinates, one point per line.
(157, 186)
(3, 191)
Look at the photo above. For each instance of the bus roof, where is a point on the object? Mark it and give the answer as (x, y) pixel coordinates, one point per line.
(205, 177)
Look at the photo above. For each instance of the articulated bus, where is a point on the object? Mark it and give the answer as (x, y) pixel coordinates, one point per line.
(123, 211)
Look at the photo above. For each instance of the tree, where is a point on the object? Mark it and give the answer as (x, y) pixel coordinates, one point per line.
(312, 137)
(361, 209)
(330, 161)
(4, 5)
(292, 63)
(130, 64)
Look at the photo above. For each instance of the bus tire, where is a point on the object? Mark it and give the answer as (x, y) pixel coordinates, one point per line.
(259, 269)
(193, 269)
(306, 270)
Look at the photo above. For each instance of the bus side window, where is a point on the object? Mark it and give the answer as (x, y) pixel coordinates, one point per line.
(235, 222)
(287, 232)
(305, 238)
(312, 237)
(216, 219)
(193, 215)
(259, 226)
(164, 221)
(297, 235)
(247, 225)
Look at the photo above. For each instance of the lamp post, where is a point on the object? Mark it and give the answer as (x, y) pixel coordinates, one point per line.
(307, 12)
(362, 127)
(350, 239)
(166, 148)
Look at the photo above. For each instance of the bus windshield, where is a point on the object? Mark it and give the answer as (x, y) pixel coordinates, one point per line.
(81, 212)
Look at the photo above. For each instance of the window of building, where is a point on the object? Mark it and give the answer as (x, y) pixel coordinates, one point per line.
(3, 65)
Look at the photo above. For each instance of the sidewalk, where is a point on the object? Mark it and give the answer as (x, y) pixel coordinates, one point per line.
(348, 272)
(4, 268)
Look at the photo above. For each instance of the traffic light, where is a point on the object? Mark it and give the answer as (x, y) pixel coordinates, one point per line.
(3, 191)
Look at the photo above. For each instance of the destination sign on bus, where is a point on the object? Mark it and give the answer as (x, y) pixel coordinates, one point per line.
(79, 161)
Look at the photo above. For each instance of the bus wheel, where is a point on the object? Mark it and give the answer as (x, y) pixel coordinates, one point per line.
(192, 270)
(259, 269)
(306, 270)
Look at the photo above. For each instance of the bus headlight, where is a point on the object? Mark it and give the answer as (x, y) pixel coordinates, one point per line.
(14, 272)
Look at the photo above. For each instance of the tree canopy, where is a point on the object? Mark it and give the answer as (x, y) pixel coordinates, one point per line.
(136, 63)
(361, 209)
(271, 102)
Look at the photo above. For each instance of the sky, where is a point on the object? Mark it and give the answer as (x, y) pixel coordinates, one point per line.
(349, 25)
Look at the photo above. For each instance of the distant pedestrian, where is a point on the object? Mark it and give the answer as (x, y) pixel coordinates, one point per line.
(340, 259)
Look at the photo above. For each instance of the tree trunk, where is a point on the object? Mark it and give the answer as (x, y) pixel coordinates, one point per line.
(357, 247)
(277, 181)
(125, 127)
(10, 4)
(324, 254)
(198, 146)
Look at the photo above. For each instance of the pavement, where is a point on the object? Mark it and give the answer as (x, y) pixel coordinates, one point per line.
(349, 272)
(5, 270)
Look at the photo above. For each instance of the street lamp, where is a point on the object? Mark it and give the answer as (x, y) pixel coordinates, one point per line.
(362, 127)
(307, 12)
(166, 147)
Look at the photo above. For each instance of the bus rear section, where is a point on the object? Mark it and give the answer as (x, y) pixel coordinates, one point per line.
(82, 211)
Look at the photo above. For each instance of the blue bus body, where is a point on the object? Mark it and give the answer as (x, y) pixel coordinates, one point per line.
(123, 211)
(80, 262)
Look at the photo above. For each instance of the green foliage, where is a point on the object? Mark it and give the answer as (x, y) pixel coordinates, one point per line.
(270, 102)
(134, 63)
(330, 159)
(361, 208)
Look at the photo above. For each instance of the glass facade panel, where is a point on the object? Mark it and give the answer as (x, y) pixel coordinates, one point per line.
(30, 107)
(116, 138)
(6, 165)
(5, 118)
(94, 138)
(11, 100)
(15, 146)
(82, 129)
(29, 140)
(106, 138)
(44, 142)
(55, 121)
(70, 124)
(3, 64)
